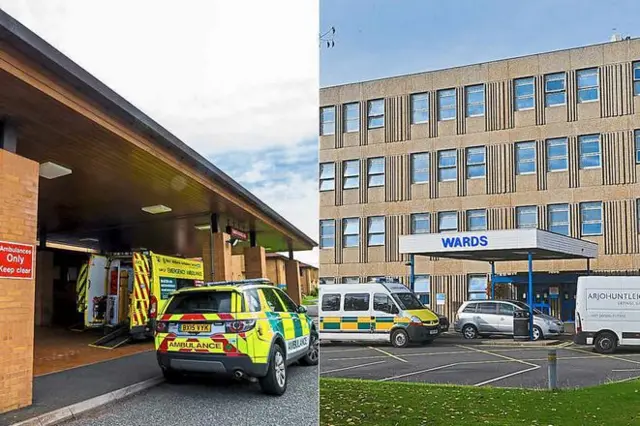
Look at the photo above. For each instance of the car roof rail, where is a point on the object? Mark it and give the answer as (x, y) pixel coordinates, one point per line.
(252, 281)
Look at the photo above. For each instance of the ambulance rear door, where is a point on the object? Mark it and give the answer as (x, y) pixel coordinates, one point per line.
(96, 291)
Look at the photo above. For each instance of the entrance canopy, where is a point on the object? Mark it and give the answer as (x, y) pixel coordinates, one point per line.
(496, 246)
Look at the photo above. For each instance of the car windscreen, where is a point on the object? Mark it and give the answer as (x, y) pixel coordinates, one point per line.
(525, 307)
(407, 301)
(200, 302)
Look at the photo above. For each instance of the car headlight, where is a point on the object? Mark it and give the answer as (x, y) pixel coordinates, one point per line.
(416, 320)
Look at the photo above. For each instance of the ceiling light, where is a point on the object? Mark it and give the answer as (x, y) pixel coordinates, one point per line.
(51, 170)
(92, 240)
(203, 227)
(156, 209)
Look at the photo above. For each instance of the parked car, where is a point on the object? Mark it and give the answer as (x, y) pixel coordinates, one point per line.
(495, 317)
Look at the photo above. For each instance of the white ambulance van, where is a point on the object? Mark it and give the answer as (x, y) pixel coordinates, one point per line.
(608, 312)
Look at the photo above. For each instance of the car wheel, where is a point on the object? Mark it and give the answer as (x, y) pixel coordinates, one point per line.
(311, 358)
(275, 382)
(469, 331)
(537, 333)
(605, 343)
(172, 376)
(399, 338)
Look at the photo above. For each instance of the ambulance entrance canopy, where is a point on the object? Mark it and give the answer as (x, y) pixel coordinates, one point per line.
(499, 246)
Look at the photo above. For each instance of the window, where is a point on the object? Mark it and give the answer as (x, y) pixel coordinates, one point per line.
(637, 136)
(420, 167)
(526, 217)
(420, 223)
(506, 309)
(588, 85)
(273, 300)
(477, 288)
(489, 308)
(558, 217)
(327, 177)
(383, 303)
(356, 302)
(376, 171)
(589, 147)
(351, 174)
(591, 218)
(327, 120)
(555, 89)
(525, 158)
(200, 302)
(376, 231)
(524, 93)
(557, 155)
(447, 221)
(330, 302)
(636, 78)
(252, 300)
(419, 108)
(327, 280)
(375, 114)
(327, 233)
(475, 100)
(447, 165)
(470, 308)
(447, 104)
(422, 287)
(289, 304)
(477, 220)
(476, 162)
(375, 278)
(351, 117)
(350, 232)
(350, 280)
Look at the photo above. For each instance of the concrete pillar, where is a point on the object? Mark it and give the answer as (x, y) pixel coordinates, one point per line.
(18, 223)
(292, 270)
(222, 258)
(255, 262)
(44, 288)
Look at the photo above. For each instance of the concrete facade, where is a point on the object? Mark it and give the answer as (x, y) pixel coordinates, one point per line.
(406, 126)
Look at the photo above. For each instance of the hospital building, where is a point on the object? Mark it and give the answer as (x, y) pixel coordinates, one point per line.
(548, 141)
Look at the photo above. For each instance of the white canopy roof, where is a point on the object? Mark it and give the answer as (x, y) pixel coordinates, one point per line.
(494, 246)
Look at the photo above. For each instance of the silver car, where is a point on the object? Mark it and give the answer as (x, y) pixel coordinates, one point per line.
(495, 317)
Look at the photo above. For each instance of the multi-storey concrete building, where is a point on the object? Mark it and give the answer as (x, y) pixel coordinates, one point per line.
(549, 140)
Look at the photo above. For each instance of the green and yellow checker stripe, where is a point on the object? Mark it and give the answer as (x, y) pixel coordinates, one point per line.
(356, 324)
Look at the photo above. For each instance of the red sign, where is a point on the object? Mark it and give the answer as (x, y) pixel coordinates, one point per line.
(16, 260)
(237, 234)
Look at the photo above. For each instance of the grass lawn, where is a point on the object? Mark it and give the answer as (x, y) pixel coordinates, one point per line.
(361, 402)
(309, 300)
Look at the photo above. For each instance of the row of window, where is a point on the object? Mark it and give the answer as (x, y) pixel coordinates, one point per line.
(555, 94)
(558, 221)
(557, 156)
(476, 290)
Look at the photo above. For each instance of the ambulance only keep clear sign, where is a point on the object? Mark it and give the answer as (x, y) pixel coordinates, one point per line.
(16, 260)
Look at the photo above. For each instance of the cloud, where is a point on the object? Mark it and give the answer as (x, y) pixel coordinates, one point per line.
(218, 74)
(236, 80)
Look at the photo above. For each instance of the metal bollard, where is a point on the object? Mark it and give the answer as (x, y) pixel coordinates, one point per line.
(552, 359)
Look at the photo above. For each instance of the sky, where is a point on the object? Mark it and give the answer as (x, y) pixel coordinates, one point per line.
(382, 38)
(236, 80)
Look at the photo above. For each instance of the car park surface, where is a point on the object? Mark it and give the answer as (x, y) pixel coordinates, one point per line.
(452, 360)
(221, 402)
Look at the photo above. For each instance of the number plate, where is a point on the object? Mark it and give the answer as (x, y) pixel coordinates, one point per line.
(433, 331)
(195, 328)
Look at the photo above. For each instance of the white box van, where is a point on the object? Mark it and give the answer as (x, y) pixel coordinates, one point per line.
(377, 311)
(608, 312)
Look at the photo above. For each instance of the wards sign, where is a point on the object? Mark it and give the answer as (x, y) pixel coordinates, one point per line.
(453, 242)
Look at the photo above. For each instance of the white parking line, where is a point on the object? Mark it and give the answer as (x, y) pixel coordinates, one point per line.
(417, 372)
(627, 370)
(603, 355)
(388, 354)
(352, 367)
(506, 376)
(486, 382)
